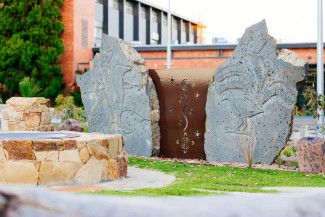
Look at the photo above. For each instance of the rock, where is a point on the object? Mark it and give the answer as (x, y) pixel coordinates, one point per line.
(33, 104)
(47, 145)
(32, 119)
(84, 155)
(18, 150)
(115, 148)
(91, 172)
(118, 96)
(311, 155)
(117, 168)
(57, 172)
(123, 165)
(69, 144)
(251, 98)
(47, 155)
(113, 169)
(22, 172)
(96, 149)
(2, 153)
(71, 125)
(69, 156)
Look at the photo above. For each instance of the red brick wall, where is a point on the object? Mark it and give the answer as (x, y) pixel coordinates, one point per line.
(84, 10)
(206, 58)
(67, 59)
(77, 55)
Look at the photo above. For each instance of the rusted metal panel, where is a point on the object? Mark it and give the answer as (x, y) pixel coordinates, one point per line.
(182, 97)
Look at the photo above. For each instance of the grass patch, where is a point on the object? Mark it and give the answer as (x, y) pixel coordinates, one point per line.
(203, 180)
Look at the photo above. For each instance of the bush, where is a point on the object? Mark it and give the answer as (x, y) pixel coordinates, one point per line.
(30, 45)
(77, 98)
(28, 87)
(66, 105)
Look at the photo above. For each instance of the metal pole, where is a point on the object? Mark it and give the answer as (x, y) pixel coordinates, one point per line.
(169, 37)
(320, 58)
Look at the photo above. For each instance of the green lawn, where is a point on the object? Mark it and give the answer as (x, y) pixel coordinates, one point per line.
(202, 179)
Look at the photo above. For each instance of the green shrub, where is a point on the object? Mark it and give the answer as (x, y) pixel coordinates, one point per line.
(289, 152)
(65, 104)
(77, 98)
(30, 45)
(28, 87)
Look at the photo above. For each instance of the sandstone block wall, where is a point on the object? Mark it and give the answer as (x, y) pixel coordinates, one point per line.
(26, 114)
(88, 159)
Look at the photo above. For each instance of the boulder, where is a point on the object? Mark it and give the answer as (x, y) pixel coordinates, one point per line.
(119, 97)
(311, 155)
(71, 125)
(251, 100)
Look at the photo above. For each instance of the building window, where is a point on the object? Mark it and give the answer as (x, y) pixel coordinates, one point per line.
(174, 24)
(99, 1)
(143, 13)
(183, 26)
(115, 4)
(129, 7)
(84, 33)
(164, 20)
(154, 17)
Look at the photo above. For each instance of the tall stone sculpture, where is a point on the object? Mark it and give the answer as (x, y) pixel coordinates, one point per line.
(251, 100)
(119, 97)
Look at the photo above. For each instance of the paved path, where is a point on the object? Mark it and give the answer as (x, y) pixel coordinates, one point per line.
(137, 179)
(297, 189)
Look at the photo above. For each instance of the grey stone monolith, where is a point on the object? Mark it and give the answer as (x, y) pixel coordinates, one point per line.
(119, 97)
(251, 100)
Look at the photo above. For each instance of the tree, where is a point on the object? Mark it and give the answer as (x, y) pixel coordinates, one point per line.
(30, 46)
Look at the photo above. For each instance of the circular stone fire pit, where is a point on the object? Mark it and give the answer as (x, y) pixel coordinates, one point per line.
(56, 158)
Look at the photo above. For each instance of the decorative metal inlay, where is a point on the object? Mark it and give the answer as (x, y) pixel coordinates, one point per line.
(197, 134)
(185, 142)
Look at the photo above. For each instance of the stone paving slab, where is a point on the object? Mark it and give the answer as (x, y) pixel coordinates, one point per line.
(137, 179)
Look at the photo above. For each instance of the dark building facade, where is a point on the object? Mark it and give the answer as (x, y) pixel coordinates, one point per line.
(142, 23)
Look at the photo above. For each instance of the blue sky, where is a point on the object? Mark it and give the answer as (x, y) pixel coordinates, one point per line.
(287, 20)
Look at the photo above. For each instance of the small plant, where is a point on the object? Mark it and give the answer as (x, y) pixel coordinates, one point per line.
(279, 161)
(290, 151)
(248, 144)
(314, 101)
(65, 105)
(28, 87)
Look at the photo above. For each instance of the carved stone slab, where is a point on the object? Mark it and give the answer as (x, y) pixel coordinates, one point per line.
(119, 97)
(251, 100)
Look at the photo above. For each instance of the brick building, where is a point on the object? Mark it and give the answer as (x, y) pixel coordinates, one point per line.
(143, 24)
(135, 21)
(211, 56)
